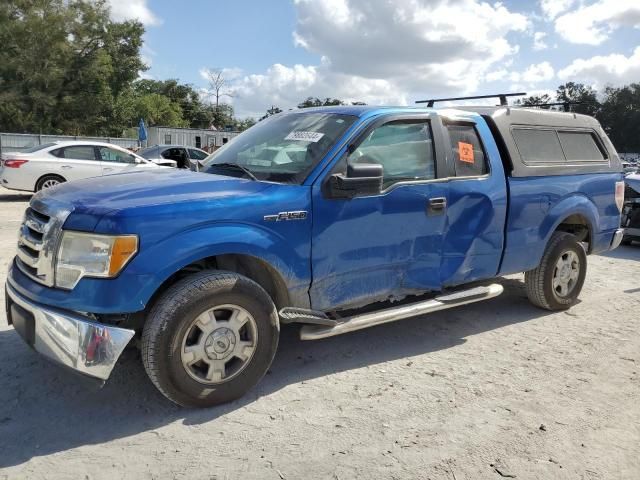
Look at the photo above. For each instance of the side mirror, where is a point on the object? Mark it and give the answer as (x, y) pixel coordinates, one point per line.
(361, 179)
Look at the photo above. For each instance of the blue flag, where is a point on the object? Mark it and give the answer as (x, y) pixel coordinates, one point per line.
(142, 131)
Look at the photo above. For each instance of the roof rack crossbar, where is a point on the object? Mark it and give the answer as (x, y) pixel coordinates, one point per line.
(501, 96)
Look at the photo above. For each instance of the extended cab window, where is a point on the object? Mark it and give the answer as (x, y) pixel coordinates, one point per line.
(467, 153)
(403, 148)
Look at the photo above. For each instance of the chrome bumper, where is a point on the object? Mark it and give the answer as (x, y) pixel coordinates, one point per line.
(617, 238)
(67, 338)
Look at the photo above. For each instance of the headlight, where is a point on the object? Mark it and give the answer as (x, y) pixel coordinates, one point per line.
(92, 255)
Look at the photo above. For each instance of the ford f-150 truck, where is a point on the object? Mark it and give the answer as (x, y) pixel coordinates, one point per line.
(337, 218)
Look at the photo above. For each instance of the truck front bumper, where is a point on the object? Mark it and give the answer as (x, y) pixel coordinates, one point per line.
(66, 337)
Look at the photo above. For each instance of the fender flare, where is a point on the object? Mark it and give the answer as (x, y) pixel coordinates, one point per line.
(573, 205)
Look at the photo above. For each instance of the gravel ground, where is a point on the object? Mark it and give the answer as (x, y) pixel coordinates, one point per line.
(497, 389)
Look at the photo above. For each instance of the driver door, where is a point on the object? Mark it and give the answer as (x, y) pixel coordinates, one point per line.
(387, 245)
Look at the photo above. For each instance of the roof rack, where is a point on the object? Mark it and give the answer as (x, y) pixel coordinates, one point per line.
(501, 96)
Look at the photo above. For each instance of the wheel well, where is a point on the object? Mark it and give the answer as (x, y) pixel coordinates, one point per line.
(55, 175)
(577, 225)
(251, 267)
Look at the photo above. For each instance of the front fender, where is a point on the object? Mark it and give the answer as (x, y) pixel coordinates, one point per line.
(289, 258)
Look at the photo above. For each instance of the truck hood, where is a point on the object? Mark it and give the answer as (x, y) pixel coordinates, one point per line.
(100, 195)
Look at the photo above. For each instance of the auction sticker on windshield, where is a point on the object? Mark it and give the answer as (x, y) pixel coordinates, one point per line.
(305, 136)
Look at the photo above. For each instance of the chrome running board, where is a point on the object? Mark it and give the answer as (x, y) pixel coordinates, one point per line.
(358, 322)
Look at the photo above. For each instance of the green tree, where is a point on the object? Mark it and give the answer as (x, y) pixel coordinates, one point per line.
(316, 102)
(534, 100)
(62, 65)
(582, 96)
(157, 109)
(272, 111)
(620, 117)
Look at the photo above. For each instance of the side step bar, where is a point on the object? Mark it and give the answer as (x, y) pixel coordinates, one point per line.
(358, 322)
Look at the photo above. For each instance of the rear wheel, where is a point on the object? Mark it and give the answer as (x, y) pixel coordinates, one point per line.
(210, 338)
(49, 181)
(556, 283)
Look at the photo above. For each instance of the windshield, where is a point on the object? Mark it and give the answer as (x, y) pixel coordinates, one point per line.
(284, 148)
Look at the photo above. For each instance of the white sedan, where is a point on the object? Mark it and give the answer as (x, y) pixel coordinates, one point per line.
(49, 164)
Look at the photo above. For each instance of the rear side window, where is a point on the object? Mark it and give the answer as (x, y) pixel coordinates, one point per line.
(78, 152)
(537, 146)
(467, 152)
(580, 146)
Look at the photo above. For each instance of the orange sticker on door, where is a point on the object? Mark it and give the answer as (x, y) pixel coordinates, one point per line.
(465, 152)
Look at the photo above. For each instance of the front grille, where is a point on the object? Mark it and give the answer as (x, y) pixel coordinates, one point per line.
(38, 241)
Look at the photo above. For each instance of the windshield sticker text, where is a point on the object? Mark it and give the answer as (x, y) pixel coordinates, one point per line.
(305, 136)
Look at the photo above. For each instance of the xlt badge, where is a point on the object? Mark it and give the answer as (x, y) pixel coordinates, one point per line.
(297, 215)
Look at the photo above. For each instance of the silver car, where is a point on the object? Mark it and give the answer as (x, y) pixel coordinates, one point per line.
(185, 157)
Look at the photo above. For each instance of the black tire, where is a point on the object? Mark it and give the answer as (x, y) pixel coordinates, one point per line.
(170, 319)
(539, 281)
(626, 241)
(40, 184)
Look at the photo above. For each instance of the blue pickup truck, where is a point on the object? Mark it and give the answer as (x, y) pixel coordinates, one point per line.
(337, 218)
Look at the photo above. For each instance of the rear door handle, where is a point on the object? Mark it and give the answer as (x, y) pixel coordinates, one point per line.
(436, 206)
(67, 167)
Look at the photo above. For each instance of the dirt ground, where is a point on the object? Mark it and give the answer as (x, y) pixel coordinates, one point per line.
(492, 390)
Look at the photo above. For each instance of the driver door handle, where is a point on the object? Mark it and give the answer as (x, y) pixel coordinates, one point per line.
(436, 206)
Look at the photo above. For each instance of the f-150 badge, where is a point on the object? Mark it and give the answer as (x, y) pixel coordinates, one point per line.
(297, 215)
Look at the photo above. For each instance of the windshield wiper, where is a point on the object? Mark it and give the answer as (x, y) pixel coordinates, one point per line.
(245, 170)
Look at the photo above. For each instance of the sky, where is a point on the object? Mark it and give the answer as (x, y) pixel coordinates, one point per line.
(280, 52)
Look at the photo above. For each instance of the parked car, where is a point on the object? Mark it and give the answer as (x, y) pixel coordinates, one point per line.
(631, 209)
(628, 167)
(185, 157)
(390, 213)
(49, 164)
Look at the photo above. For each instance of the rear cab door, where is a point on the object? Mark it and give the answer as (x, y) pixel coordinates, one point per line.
(474, 239)
(76, 162)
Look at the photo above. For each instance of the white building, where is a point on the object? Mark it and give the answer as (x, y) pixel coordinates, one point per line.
(189, 137)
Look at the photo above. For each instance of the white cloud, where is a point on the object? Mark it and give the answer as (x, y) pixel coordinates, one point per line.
(593, 23)
(553, 8)
(541, 72)
(285, 87)
(538, 41)
(387, 52)
(604, 69)
(133, 10)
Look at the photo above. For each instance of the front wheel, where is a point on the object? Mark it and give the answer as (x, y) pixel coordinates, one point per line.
(556, 283)
(210, 338)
